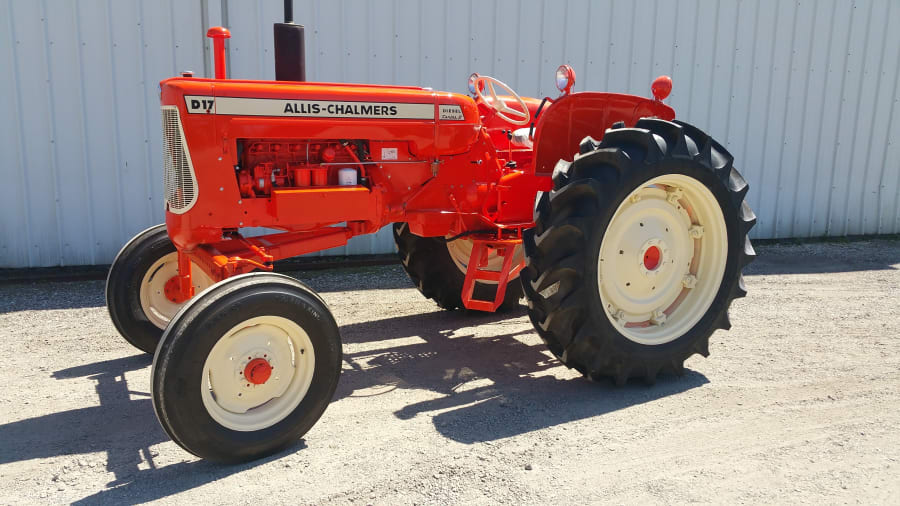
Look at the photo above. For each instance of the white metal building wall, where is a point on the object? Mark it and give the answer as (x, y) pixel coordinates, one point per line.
(804, 93)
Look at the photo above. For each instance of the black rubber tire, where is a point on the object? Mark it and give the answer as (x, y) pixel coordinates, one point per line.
(572, 219)
(179, 361)
(123, 283)
(428, 264)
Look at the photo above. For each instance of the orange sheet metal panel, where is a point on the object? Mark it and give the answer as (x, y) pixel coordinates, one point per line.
(325, 205)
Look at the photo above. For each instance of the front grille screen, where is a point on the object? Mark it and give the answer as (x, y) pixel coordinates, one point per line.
(179, 183)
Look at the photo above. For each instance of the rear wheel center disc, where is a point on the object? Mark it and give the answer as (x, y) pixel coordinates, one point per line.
(662, 259)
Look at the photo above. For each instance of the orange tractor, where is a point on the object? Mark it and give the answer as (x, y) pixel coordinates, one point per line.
(624, 229)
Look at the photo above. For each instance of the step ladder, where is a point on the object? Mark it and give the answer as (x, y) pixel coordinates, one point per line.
(475, 271)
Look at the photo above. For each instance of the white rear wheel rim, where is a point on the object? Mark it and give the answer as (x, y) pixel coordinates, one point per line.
(461, 251)
(156, 306)
(676, 219)
(236, 403)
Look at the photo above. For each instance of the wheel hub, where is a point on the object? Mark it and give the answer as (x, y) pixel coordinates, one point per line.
(258, 371)
(172, 289)
(160, 290)
(651, 258)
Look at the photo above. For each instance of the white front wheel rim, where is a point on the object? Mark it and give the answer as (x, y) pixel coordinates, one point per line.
(152, 292)
(233, 400)
(662, 259)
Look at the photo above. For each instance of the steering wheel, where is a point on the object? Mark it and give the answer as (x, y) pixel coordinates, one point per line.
(514, 116)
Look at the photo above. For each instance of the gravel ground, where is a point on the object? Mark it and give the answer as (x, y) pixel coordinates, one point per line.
(799, 403)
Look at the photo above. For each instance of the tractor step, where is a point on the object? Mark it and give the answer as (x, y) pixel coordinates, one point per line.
(478, 260)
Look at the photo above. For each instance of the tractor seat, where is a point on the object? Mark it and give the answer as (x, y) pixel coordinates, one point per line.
(520, 138)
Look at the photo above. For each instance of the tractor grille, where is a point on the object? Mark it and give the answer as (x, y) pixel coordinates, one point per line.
(179, 181)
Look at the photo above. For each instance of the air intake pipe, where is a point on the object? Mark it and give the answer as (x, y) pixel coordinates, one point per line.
(290, 48)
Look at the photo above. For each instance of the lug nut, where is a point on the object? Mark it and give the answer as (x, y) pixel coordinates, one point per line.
(674, 195)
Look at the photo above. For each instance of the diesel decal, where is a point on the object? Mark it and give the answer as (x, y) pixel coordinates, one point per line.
(235, 106)
(451, 112)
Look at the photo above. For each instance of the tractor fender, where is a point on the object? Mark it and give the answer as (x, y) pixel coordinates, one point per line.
(568, 120)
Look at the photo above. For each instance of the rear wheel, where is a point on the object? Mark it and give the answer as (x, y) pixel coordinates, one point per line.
(246, 368)
(438, 269)
(638, 250)
(136, 294)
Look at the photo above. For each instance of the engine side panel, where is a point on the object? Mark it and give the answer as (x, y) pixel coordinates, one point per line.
(251, 142)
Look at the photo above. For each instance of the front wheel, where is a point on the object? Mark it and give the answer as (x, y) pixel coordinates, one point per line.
(136, 295)
(638, 250)
(246, 368)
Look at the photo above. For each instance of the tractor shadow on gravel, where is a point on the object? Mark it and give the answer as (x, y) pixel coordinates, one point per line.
(124, 427)
(529, 390)
(119, 425)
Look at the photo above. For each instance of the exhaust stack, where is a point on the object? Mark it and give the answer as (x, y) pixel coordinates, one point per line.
(290, 47)
(218, 34)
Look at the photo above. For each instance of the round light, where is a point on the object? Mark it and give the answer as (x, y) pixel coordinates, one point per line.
(565, 78)
(661, 87)
(472, 79)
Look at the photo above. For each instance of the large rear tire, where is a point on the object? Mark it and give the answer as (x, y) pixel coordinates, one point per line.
(637, 251)
(135, 287)
(246, 368)
(438, 269)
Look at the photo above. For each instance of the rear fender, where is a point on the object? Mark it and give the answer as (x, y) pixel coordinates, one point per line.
(563, 124)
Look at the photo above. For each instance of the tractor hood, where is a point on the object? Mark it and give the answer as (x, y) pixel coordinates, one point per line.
(316, 100)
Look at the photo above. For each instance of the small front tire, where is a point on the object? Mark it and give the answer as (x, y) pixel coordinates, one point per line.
(135, 287)
(246, 368)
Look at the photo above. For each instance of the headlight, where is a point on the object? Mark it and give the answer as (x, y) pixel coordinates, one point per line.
(472, 79)
(565, 78)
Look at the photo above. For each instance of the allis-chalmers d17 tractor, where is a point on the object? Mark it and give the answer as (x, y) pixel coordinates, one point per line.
(624, 229)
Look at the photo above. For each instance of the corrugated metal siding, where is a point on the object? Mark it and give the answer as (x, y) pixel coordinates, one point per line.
(804, 93)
